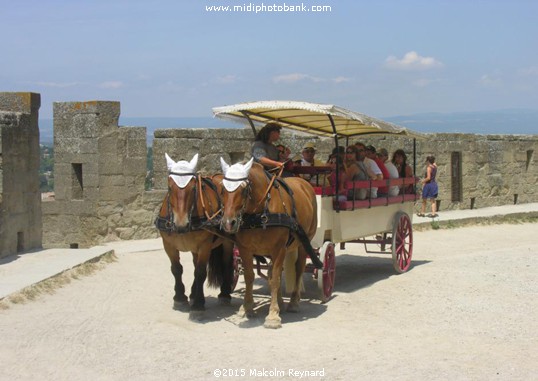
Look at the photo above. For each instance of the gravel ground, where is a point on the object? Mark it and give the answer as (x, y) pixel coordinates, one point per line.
(466, 310)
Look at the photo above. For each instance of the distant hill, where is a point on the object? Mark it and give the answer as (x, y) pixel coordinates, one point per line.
(509, 121)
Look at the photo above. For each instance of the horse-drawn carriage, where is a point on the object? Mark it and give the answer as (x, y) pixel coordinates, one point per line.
(288, 219)
(388, 220)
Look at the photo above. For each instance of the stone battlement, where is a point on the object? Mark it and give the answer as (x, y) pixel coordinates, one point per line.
(100, 170)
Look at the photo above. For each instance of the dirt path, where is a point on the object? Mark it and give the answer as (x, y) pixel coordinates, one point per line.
(465, 311)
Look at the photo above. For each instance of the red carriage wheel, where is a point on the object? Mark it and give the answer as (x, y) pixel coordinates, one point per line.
(402, 242)
(237, 267)
(327, 274)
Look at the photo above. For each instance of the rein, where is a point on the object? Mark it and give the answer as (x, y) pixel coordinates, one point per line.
(266, 194)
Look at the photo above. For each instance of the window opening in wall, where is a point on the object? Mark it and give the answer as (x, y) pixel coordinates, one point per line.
(456, 177)
(515, 198)
(530, 154)
(237, 157)
(20, 242)
(73, 245)
(77, 187)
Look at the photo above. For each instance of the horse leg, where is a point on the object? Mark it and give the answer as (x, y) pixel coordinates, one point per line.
(300, 264)
(180, 299)
(197, 290)
(273, 319)
(247, 309)
(279, 298)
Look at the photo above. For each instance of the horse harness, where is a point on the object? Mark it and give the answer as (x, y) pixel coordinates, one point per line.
(196, 221)
(266, 219)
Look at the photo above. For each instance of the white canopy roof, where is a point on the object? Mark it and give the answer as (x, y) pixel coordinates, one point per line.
(313, 118)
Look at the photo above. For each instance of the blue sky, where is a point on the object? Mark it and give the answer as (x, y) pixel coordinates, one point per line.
(175, 59)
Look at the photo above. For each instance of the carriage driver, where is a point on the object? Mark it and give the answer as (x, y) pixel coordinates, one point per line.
(263, 150)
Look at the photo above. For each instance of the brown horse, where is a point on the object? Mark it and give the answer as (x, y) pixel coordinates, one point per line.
(268, 220)
(185, 219)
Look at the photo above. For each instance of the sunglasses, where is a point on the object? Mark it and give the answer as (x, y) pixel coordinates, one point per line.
(350, 151)
(309, 150)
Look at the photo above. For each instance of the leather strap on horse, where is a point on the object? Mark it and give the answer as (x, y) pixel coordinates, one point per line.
(167, 225)
(205, 181)
(271, 182)
(256, 221)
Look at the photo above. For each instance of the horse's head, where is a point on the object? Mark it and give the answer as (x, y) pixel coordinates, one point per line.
(235, 191)
(181, 188)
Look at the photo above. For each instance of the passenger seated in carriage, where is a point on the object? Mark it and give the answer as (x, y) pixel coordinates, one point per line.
(308, 160)
(372, 169)
(337, 160)
(355, 171)
(371, 154)
(399, 159)
(284, 156)
(383, 154)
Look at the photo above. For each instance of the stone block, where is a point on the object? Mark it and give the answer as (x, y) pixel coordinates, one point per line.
(24, 102)
(135, 166)
(111, 181)
(110, 165)
(137, 148)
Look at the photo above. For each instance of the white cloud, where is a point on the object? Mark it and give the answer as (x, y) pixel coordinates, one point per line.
(290, 78)
(110, 85)
(412, 61)
(341, 79)
(57, 84)
(298, 77)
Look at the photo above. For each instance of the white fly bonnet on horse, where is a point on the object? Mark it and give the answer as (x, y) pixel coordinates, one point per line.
(183, 171)
(235, 175)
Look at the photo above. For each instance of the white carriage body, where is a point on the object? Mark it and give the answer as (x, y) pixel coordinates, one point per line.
(349, 225)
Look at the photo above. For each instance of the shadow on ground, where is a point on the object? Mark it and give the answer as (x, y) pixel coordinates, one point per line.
(355, 272)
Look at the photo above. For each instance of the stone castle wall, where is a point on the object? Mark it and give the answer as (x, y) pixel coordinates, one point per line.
(20, 198)
(100, 170)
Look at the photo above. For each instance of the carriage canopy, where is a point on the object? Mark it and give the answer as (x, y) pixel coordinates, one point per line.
(319, 119)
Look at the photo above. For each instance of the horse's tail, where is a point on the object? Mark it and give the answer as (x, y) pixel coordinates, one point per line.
(215, 267)
(220, 265)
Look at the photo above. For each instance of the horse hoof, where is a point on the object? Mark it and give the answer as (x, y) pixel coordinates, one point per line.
(197, 315)
(292, 308)
(225, 300)
(181, 305)
(246, 313)
(272, 324)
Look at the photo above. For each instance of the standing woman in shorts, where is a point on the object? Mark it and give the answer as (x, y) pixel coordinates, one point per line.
(430, 188)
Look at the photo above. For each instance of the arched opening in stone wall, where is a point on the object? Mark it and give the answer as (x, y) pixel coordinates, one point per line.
(530, 154)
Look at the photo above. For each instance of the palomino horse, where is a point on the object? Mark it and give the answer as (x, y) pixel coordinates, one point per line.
(270, 220)
(187, 213)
